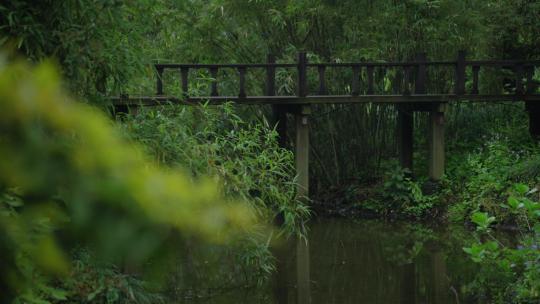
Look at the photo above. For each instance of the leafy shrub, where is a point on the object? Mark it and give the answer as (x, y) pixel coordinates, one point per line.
(245, 159)
(214, 141)
(509, 273)
(403, 195)
(71, 180)
(480, 179)
(93, 282)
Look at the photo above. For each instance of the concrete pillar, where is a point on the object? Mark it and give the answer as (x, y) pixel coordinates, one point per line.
(302, 152)
(436, 142)
(533, 109)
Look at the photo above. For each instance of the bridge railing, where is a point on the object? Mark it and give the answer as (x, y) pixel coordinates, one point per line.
(414, 78)
(414, 91)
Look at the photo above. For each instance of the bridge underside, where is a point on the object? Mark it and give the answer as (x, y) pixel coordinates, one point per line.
(300, 108)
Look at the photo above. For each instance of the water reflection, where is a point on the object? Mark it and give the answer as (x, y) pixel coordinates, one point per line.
(303, 277)
(348, 261)
(368, 262)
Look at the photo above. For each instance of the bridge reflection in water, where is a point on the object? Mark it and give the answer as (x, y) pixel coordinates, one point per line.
(348, 262)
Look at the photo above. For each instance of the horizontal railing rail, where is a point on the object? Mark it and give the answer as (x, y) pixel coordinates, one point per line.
(413, 80)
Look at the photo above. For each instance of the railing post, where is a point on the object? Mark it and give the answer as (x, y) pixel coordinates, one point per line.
(159, 81)
(530, 83)
(355, 80)
(184, 72)
(420, 82)
(370, 89)
(460, 73)
(213, 74)
(518, 70)
(270, 76)
(322, 81)
(475, 70)
(242, 82)
(279, 112)
(302, 88)
(407, 80)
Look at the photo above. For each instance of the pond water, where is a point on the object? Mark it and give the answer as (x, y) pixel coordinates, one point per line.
(348, 261)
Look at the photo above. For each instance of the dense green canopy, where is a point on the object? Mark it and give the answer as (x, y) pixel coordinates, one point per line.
(74, 189)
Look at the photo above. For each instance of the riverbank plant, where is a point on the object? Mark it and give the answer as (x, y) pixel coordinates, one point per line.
(72, 182)
(245, 160)
(494, 188)
(510, 272)
(402, 194)
(213, 141)
(480, 178)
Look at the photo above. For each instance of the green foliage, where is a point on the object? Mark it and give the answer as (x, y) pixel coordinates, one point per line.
(509, 272)
(89, 39)
(103, 47)
(479, 252)
(245, 159)
(482, 220)
(403, 195)
(93, 282)
(489, 186)
(213, 141)
(71, 179)
(522, 207)
(349, 137)
(480, 178)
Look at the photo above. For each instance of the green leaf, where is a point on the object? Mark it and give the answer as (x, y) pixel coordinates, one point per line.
(482, 220)
(491, 245)
(513, 202)
(476, 252)
(521, 188)
(537, 228)
(59, 294)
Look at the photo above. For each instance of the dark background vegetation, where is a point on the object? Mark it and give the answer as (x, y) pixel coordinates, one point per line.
(106, 48)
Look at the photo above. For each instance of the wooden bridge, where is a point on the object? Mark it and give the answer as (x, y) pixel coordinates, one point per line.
(414, 95)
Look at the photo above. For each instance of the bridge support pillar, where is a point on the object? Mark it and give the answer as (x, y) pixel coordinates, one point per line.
(302, 152)
(436, 142)
(405, 136)
(125, 110)
(533, 109)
